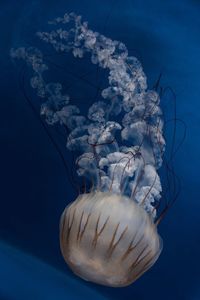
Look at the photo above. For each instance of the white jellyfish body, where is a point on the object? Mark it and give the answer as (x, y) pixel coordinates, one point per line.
(107, 235)
(108, 239)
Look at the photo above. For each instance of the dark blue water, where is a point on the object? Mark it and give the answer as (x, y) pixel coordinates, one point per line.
(34, 188)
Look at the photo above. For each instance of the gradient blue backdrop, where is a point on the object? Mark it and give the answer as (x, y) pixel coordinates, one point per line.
(165, 36)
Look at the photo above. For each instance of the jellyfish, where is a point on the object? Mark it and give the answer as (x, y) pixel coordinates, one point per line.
(108, 234)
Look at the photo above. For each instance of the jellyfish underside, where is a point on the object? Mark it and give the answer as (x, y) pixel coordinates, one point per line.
(108, 239)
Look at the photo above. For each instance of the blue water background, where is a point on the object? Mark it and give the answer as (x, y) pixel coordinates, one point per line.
(165, 36)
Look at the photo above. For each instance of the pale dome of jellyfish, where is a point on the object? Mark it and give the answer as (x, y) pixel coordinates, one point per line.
(108, 239)
(108, 235)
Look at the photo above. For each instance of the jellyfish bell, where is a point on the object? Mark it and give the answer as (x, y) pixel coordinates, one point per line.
(108, 239)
